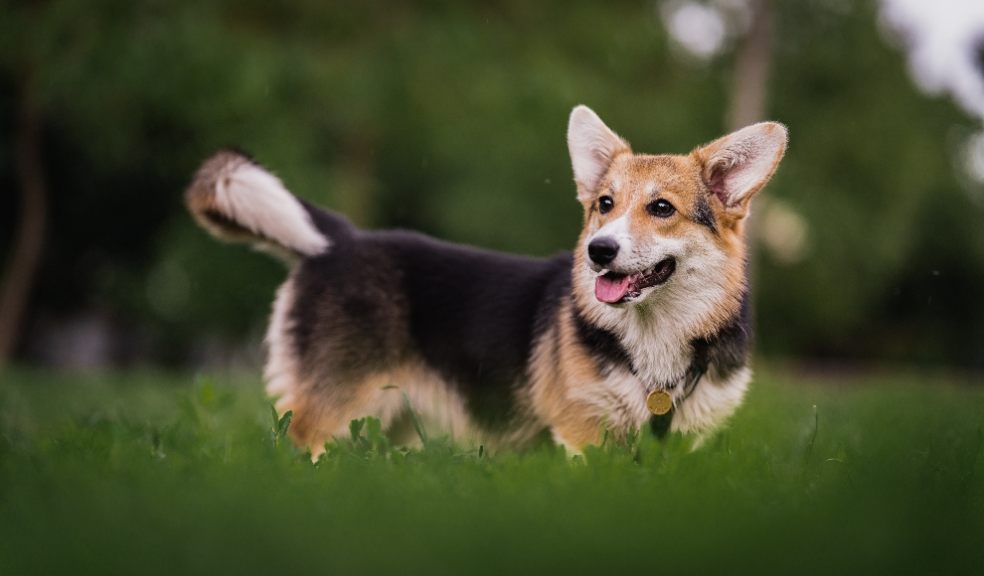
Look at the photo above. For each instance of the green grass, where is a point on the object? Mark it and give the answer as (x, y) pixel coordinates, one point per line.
(150, 473)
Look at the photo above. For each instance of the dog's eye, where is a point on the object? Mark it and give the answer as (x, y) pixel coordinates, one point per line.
(605, 204)
(661, 208)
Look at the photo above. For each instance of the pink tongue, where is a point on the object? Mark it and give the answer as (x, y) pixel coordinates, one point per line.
(611, 290)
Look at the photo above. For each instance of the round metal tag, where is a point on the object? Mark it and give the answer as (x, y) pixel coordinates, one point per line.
(659, 402)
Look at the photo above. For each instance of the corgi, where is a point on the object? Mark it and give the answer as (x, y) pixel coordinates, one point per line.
(645, 324)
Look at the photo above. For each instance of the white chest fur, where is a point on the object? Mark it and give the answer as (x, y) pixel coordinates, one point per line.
(658, 345)
(619, 400)
(659, 352)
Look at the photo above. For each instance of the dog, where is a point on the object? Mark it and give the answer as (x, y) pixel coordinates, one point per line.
(645, 323)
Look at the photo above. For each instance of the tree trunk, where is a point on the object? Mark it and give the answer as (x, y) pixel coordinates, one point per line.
(748, 105)
(752, 66)
(25, 258)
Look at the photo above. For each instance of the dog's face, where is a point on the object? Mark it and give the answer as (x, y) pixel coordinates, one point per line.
(660, 223)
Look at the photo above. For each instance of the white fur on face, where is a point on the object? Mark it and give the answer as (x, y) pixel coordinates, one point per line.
(258, 200)
(619, 230)
(656, 328)
(648, 252)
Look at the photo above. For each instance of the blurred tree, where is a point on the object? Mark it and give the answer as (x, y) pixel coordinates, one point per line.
(449, 117)
(753, 61)
(892, 252)
(26, 250)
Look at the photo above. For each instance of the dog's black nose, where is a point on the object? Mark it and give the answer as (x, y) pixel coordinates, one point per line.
(603, 250)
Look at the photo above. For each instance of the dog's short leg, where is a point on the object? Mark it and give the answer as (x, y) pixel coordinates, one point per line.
(324, 413)
(576, 433)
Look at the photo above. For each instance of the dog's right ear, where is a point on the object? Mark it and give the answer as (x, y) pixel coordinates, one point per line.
(593, 146)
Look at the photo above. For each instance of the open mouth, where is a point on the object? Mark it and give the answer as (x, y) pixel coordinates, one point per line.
(615, 288)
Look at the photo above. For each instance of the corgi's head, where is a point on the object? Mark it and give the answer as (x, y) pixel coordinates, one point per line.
(666, 227)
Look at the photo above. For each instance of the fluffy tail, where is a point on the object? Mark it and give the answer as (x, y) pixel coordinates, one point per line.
(237, 200)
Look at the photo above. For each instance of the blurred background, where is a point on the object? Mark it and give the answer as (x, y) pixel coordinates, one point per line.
(449, 117)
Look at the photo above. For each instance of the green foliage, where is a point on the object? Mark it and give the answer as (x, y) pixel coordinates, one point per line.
(280, 425)
(418, 426)
(450, 118)
(146, 473)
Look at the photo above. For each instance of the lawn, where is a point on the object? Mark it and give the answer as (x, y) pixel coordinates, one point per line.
(147, 473)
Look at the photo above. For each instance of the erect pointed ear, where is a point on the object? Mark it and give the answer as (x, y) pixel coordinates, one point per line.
(738, 165)
(593, 146)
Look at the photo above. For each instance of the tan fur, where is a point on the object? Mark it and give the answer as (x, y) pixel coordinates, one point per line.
(560, 366)
(634, 181)
(324, 412)
(565, 389)
(568, 390)
(200, 196)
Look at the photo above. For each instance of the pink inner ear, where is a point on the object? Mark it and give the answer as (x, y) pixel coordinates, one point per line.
(715, 183)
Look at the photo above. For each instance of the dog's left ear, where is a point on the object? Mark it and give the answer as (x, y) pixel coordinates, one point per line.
(593, 146)
(738, 165)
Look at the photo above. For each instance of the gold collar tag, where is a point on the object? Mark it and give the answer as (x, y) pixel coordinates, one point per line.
(659, 402)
